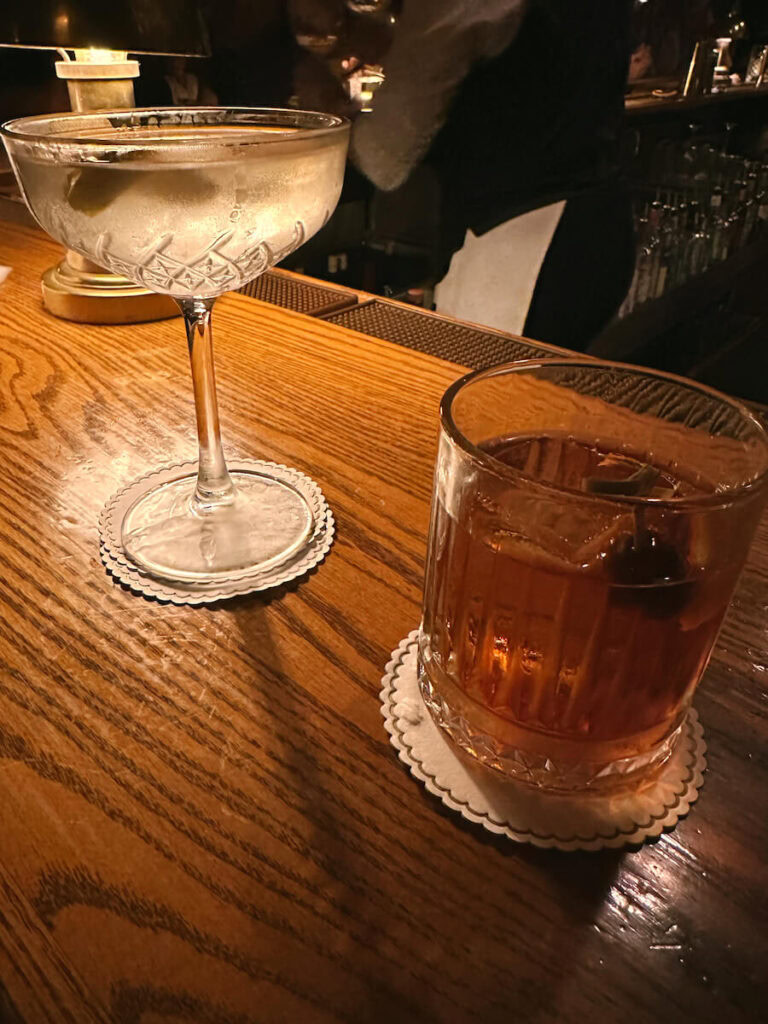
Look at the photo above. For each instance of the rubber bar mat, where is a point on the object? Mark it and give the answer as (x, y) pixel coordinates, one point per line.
(476, 347)
(300, 296)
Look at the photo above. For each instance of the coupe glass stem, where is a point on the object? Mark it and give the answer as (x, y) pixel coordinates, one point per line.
(214, 485)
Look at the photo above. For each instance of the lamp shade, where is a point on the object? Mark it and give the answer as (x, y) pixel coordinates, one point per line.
(136, 26)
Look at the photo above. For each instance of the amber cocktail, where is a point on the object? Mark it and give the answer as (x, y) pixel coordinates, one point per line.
(589, 525)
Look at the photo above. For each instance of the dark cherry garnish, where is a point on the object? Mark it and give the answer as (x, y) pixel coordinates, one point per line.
(652, 570)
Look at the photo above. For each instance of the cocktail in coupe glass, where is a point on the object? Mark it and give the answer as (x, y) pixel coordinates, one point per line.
(191, 202)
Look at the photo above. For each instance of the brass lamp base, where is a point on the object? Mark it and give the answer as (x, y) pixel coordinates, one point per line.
(79, 290)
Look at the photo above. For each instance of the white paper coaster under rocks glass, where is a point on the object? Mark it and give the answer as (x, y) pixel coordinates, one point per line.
(513, 809)
(310, 555)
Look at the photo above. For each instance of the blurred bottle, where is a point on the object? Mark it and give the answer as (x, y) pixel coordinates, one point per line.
(737, 216)
(718, 224)
(761, 224)
(666, 250)
(750, 211)
(698, 248)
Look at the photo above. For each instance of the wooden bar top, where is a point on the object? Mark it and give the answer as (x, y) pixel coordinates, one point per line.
(201, 816)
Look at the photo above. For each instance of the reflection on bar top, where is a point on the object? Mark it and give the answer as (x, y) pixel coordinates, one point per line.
(644, 102)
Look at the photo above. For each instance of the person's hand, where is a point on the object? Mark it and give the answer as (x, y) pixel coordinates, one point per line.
(640, 62)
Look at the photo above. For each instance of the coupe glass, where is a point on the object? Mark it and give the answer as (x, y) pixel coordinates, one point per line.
(191, 202)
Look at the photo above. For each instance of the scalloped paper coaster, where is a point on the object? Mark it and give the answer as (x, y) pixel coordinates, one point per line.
(118, 565)
(521, 812)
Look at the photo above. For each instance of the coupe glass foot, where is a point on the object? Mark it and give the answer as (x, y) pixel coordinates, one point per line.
(266, 523)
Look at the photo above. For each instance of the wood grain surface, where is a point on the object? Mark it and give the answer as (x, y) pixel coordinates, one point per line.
(201, 818)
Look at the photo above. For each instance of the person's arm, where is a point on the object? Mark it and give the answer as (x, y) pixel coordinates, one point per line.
(436, 43)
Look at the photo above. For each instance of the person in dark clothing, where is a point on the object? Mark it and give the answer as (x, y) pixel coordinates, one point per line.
(253, 52)
(517, 107)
